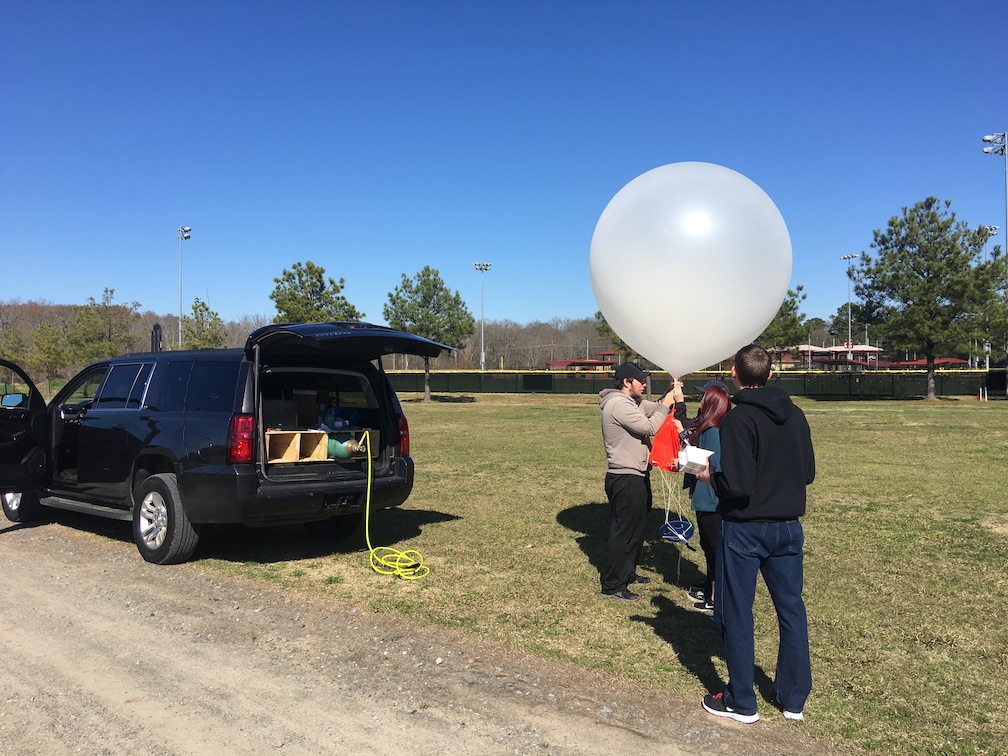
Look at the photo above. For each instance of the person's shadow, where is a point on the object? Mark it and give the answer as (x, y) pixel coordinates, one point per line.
(691, 634)
(591, 521)
(697, 643)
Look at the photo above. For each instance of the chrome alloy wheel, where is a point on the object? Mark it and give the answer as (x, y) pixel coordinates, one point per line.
(153, 525)
(13, 501)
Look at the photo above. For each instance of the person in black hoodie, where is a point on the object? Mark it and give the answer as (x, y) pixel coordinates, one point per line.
(766, 462)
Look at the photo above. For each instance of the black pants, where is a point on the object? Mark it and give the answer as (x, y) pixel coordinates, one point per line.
(629, 503)
(709, 525)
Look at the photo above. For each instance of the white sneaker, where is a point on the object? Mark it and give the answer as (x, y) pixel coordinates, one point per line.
(797, 716)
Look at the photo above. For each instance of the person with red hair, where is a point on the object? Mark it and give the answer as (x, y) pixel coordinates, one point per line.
(704, 433)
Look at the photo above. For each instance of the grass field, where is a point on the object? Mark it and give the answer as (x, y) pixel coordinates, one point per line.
(906, 562)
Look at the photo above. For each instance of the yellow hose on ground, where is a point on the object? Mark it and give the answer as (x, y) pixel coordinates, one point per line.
(385, 560)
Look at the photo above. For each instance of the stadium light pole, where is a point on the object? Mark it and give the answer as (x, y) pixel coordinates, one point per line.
(183, 234)
(989, 231)
(850, 276)
(996, 145)
(482, 267)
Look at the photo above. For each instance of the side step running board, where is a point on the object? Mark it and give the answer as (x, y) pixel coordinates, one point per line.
(58, 502)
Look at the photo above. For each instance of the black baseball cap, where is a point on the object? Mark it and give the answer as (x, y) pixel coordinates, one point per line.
(628, 371)
(712, 383)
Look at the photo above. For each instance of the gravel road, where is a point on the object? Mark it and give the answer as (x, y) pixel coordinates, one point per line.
(105, 654)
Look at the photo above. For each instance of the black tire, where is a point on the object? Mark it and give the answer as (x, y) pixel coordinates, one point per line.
(336, 528)
(161, 530)
(21, 507)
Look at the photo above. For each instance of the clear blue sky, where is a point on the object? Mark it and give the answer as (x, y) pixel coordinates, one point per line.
(374, 138)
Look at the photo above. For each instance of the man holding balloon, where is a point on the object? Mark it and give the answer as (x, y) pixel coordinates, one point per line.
(628, 422)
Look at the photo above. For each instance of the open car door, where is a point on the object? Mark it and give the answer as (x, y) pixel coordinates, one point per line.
(23, 433)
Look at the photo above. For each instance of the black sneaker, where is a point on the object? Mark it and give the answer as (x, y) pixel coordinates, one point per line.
(707, 607)
(697, 592)
(624, 595)
(639, 580)
(716, 706)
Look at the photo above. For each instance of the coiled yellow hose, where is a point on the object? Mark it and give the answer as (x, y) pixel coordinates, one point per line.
(385, 560)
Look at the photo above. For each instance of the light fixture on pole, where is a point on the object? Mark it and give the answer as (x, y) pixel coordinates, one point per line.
(482, 267)
(850, 276)
(183, 234)
(989, 231)
(997, 144)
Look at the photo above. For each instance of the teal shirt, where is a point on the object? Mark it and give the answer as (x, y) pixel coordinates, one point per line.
(704, 499)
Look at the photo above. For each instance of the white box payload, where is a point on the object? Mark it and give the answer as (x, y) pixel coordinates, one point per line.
(693, 459)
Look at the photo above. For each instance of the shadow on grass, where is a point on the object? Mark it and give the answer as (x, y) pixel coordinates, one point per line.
(692, 637)
(696, 643)
(592, 521)
(286, 543)
(691, 634)
(459, 399)
(277, 543)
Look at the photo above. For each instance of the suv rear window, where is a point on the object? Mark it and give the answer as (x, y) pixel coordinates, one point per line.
(212, 386)
(299, 398)
(168, 386)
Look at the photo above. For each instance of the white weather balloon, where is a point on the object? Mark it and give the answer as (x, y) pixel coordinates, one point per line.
(689, 262)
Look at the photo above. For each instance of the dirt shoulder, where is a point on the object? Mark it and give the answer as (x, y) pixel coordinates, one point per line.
(104, 653)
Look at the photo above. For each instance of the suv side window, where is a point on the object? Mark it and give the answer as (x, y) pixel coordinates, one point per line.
(212, 386)
(139, 386)
(168, 386)
(84, 392)
(118, 386)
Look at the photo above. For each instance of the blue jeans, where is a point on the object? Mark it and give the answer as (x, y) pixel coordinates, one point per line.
(775, 549)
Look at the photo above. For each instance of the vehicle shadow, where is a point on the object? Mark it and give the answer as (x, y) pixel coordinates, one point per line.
(276, 543)
(591, 520)
(14, 526)
(116, 530)
(287, 543)
(459, 399)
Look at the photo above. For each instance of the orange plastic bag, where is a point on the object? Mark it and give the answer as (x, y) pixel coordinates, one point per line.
(665, 446)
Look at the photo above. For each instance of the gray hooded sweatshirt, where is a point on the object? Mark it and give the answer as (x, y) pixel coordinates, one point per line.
(627, 428)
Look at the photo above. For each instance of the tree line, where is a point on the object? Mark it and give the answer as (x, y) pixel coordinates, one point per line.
(927, 286)
(54, 341)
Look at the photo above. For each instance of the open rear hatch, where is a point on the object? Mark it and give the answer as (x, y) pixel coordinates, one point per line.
(360, 342)
(318, 386)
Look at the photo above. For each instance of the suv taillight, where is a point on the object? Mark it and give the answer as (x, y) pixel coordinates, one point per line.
(241, 440)
(403, 436)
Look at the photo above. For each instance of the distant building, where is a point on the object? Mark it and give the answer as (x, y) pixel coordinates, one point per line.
(580, 365)
(604, 360)
(864, 357)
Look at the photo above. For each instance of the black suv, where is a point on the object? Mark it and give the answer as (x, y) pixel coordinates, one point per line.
(273, 433)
